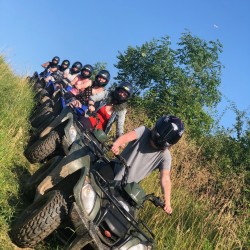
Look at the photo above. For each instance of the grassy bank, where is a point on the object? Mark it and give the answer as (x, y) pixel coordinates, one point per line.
(16, 103)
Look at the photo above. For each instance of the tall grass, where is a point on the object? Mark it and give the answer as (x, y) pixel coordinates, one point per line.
(204, 217)
(15, 106)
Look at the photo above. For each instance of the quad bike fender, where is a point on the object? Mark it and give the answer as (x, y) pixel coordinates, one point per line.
(77, 159)
(65, 115)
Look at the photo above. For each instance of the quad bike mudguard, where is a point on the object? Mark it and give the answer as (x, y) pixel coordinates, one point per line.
(78, 158)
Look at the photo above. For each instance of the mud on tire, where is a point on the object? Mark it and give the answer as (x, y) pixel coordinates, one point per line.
(39, 220)
(42, 148)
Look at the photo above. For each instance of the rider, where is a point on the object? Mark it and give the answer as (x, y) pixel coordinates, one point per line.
(40, 80)
(149, 149)
(51, 66)
(111, 108)
(82, 81)
(62, 72)
(48, 66)
(73, 72)
(96, 88)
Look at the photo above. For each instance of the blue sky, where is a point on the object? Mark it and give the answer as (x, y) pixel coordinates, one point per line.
(32, 32)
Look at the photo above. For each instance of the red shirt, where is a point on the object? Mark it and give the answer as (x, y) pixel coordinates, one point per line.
(103, 119)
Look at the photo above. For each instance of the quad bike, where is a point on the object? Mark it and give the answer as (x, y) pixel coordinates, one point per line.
(84, 209)
(93, 136)
(56, 137)
(38, 80)
(50, 107)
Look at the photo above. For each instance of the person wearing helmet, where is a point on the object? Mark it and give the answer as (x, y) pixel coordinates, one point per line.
(64, 67)
(63, 70)
(111, 108)
(148, 150)
(96, 88)
(102, 78)
(82, 88)
(76, 68)
(72, 73)
(82, 80)
(53, 64)
(40, 80)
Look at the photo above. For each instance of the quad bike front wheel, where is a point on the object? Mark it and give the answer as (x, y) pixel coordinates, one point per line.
(43, 148)
(39, 220)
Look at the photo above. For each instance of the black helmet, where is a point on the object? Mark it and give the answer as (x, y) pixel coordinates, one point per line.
(76, 67)
(104, 74)
(56, 59)
(127, 87)
(88, 68)
(65, 63)
(167, 131)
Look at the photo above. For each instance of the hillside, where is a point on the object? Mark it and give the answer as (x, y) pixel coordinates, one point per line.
(206, 215)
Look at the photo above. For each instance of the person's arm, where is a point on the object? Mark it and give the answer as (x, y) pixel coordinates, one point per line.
(65, 73)
(96, 98)
(45, 65)
(120, 122)
(85, 85)
(123, 139)
(73, 82)
(165, 181)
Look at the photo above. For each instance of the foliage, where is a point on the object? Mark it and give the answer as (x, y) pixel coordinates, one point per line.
(16, 104)
(97, 67)
(183, 82)
(229, 153)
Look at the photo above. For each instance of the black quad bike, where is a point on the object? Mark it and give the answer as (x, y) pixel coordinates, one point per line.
(56, 138)
(49, 104)
(65, 162)
(85, 208)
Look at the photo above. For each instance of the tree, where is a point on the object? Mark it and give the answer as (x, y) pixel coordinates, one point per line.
(183, 82)
(97, 67)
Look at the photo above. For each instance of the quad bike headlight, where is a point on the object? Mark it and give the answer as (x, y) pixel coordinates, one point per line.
(88, 196)
(138, 247)
(72, 133)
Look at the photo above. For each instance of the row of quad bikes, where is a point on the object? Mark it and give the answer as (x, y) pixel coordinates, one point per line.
(73, 192)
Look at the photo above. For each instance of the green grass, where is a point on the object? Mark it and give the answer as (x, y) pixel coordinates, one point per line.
(16, 104)
(196, 222)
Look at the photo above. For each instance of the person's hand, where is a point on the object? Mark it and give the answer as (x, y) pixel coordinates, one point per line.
(47, 79)
(115, 149)
(76, 104)
(91, 108)
(168, 209)
(58, 86)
